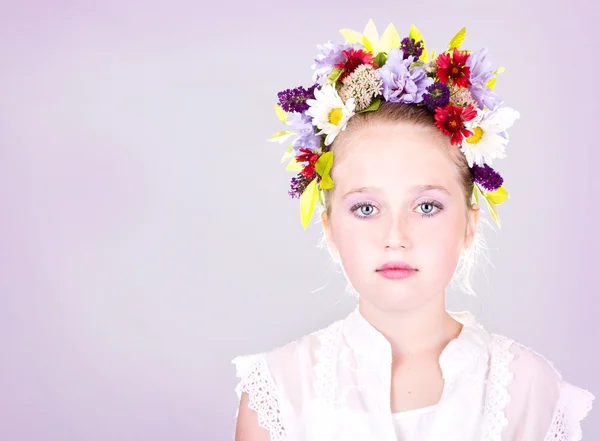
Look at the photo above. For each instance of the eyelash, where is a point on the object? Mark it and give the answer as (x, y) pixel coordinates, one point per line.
(436, 204)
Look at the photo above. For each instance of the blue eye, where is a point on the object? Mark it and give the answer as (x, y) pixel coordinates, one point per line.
(363, 209)
(430, 208)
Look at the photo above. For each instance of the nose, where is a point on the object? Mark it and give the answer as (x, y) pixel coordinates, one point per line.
(398, 234)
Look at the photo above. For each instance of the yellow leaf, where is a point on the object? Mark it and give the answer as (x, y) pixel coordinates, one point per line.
(288, 153)
(367, 44)
(491, 83)
(323, 167)
(294, 165)
(280, 113)
(493, 210)
(499, 196)
(372, 36)
(281, 136)
(351, 36)
(458, 39)
(433, 54)
(389, 40)
(416, 35)
(308, 200)
(499, 70)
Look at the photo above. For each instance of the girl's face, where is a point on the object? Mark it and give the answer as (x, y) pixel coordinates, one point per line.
(398, 197)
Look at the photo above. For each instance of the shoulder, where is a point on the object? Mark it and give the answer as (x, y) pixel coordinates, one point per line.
(279, 381)
(533, 366)
(540, 399)
(293, 360)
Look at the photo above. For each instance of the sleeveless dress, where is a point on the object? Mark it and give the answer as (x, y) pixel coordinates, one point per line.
(334, 385)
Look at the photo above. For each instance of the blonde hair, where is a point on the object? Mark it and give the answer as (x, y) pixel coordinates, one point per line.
(420, 116)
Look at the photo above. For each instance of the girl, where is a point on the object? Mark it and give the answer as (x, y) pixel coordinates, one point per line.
(413, 137)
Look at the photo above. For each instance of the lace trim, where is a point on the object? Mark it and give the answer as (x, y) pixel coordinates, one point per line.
(258, 384)
(499, 379)
(326, 362)
(573, 406)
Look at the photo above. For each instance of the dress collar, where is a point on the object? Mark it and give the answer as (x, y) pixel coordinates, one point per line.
(471, 343)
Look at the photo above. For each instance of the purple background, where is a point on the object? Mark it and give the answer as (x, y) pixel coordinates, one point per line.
(147, 237)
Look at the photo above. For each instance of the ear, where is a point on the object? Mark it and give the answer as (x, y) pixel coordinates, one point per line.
(472, 225)
(329, 236)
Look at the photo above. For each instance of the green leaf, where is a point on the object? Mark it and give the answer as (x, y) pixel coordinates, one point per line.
(374, 106)
(458, 39)
(308, 200)
(381, 58)
(335, 74)
(323, 167)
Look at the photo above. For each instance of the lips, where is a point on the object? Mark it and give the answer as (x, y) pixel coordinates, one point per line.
(397, 265)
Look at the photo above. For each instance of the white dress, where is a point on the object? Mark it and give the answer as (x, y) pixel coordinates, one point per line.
(334, 385)
(414, 425)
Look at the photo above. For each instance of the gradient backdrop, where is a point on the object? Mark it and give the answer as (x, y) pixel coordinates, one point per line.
(147, 237)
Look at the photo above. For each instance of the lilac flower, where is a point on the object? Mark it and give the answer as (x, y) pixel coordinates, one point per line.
(329, 55)
(487, 177)
(307, 137)
(401, 83)
(481, 73)
(294, 100)
(438, 95)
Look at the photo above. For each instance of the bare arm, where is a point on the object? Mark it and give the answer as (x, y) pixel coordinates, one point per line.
(247, 428)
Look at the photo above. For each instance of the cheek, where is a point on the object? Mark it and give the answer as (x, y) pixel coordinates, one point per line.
(439, 245)
(356, 244)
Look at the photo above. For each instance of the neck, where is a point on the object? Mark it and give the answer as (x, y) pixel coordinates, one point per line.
(428, 328)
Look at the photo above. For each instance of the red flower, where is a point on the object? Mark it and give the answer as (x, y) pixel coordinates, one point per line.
(308, 156)
(451, 119)
(354, 58)
(454, 68)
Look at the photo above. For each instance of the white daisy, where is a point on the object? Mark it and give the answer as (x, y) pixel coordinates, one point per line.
(489, 137)
(329, 113)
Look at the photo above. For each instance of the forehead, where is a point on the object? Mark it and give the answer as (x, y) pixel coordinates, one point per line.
(394, 154)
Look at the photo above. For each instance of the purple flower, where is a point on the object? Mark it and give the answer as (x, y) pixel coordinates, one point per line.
(294, 100)
(438, 95)
(329, 55)
(298, 185)
(302, 124)
(401, 83)
(481, 73)
(487, 177)
(411, 47)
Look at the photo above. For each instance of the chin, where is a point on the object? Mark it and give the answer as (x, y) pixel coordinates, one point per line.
(394, 299)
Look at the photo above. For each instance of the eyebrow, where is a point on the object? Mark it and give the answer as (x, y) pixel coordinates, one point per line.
(415, 189)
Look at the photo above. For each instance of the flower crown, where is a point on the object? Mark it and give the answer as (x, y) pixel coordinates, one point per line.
(358, 75)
